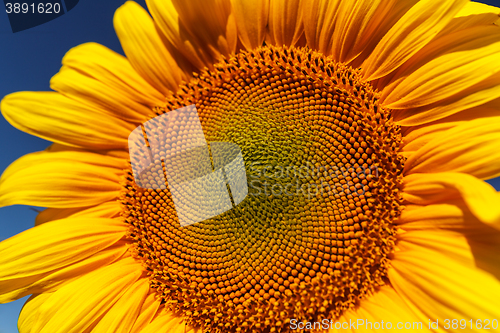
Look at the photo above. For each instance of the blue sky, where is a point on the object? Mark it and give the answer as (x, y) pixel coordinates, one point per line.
(28, 59)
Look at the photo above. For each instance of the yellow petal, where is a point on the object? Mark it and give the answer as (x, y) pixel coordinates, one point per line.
(52, 280)
(97, 95)
(122, 154)
(385, 17)
(453, 230)
(61, 180)
(54, 117)
(477, 8)
(420, 136)
(384, 305)
(144, 48)
(437, 286)
(452, 244)
(116, 165)
(455, 245)
(351, 23)
(481, 198)
(80, 304)
(122, 316)
(319, 23)
(51, 246)
(474, 98)
(102, 79)
(415, 137)
(470, 57)
(29, 312)
(211, 22)
(112, 69)
(107, 210)
(176, 33)
(451, 215)
(476, 245)
(285, 22)
(148, 310)
(412, 32)
(251, 21)
(166, 322)
(450, 39)
(473, 14)
(471, 147)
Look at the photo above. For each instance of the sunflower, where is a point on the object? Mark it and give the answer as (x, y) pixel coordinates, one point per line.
(367, 129)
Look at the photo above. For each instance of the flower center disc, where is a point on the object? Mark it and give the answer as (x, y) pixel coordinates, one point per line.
(313, 234)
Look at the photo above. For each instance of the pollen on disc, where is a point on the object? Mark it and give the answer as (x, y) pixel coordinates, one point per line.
(313, 234)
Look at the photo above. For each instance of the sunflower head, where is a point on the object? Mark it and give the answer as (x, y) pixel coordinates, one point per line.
(324, 172)
(363, 130)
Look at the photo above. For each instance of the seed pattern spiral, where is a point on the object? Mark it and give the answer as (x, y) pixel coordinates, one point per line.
(313, 235)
